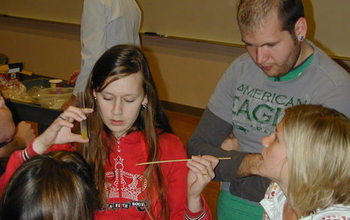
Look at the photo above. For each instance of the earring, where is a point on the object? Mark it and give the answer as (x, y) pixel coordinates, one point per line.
(301, 38)
(144, 106)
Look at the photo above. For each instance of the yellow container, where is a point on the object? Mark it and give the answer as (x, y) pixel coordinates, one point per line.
(54, 98)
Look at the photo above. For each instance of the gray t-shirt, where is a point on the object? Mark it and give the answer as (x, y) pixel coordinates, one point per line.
(251, 104)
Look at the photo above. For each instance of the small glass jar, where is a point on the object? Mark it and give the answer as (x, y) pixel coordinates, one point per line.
(55, 83)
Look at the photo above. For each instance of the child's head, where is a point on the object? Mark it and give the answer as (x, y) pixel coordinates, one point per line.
(54, 186)
(124, 91)
(309, 153)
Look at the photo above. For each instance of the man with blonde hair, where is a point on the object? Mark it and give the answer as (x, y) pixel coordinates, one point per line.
(280, 69)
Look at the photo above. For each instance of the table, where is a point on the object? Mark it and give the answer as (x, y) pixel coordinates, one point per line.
(23, 111)
(31, 112)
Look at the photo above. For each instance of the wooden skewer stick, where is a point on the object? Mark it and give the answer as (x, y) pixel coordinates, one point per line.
(181, 160)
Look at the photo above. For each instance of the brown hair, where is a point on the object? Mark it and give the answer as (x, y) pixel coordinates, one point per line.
(251, 13)
(117, 62)
(56, 186)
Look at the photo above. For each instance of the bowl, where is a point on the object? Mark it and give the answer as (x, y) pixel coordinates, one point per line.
(54, 98)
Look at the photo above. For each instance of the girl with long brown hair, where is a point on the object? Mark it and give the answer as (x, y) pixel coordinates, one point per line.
(126, 127)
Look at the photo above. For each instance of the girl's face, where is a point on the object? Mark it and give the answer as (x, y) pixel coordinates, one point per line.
(120, 103)
(275, 164)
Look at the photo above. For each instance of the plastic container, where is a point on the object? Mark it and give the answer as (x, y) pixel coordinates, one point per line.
(54, 98)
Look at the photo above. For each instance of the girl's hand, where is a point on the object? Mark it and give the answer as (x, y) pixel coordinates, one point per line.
(59, 132)
(200, 174)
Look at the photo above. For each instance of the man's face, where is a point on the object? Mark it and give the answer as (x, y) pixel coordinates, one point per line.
(275, 51)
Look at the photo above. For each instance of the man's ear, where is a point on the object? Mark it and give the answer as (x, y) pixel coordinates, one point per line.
(300, 29)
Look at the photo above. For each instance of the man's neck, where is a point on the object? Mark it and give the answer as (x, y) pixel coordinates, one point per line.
(305, 51)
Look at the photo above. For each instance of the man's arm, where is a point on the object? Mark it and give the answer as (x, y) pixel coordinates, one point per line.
(93, 40)
(241, 169)
(207, 139)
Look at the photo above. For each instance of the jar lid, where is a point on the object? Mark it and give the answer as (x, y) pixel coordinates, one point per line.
(55, 81)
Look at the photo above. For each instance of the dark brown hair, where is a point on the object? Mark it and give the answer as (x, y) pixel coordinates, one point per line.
(117, 62)
(56, 186)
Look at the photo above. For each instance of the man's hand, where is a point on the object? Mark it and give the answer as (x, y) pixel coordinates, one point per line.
(230, 143)
(250, 165)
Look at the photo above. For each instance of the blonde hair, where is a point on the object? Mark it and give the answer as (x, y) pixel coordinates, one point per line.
(318, 148)
(251, 14)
